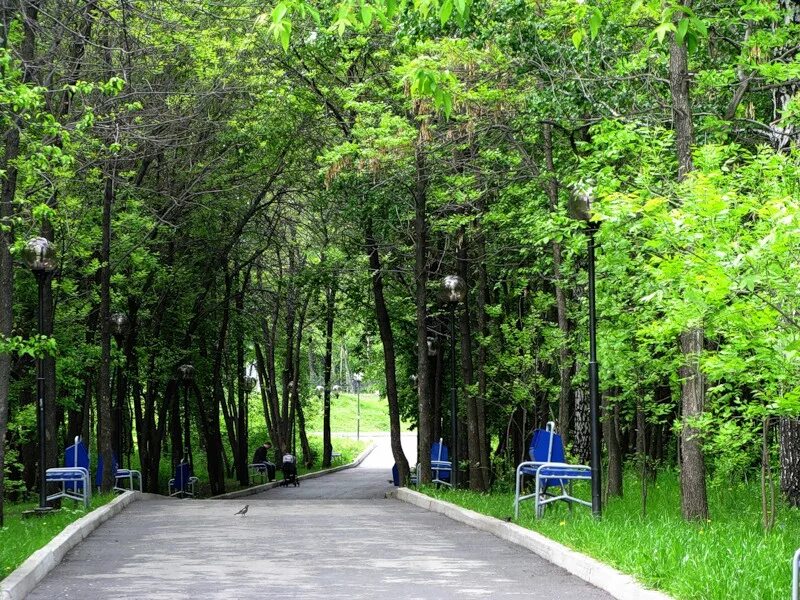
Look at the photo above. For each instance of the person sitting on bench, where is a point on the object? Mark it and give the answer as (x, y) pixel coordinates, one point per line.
(261, 457)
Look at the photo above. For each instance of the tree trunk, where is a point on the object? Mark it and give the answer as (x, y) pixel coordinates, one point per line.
(327, 446)
(476, 481)
(790, 460)
(421, 300)
(483, 331)
(104, 425)
(611, 434)
(387, 340)
(694, 502)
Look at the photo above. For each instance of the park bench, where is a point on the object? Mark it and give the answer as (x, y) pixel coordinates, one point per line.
(261, 469)
(73, 477)
(336, 456)
(441, 465)
(183, 483)
(550, 470)
(120, 476)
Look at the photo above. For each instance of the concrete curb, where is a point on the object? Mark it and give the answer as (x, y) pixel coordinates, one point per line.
(257, 489)
(21, 581)
(619, 585)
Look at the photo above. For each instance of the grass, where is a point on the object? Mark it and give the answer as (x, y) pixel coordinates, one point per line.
(344, 414)
(22, 537)
(727, 557)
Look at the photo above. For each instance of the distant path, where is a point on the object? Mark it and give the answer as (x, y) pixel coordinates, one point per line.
(333, 537)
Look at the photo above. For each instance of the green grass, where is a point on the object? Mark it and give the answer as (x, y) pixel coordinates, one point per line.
(22, 537)
(344, 413)
(728, 557)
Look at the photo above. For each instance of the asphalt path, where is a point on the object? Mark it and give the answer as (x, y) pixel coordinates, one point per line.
(331, 537)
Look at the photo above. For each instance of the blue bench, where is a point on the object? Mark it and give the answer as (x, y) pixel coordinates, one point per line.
(73, 477)
(550, 470)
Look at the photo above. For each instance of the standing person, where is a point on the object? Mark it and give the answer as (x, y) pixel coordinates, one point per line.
(261, 456)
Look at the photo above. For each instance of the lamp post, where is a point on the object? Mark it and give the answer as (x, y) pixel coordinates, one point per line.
(357, 377)
(186, 374)
(119, 326)
(453, 292)
(39, 256)
(580, 208)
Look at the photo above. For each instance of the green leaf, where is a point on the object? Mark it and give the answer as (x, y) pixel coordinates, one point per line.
(577, 38)
(699, 26)
(285, 35)
(594, 22)
(366, 14)
(446, 11)
(279, 12)
(461, 7)
(691, 42)
(661, 31)
(683, 27)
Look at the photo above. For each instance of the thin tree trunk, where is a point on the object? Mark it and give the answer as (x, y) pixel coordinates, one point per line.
(387, 340)
(421, 300)
(330, 304)
(104, 425)
(612, 437)
(565, 355)
(694, 502)
(476, 481)
(483, 331)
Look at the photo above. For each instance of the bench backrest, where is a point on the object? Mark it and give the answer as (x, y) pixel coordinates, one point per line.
(77, 455)
(183, 472)
(546, 445)
(439, 451)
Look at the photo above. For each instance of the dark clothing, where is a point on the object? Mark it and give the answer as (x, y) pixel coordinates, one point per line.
(260, 456)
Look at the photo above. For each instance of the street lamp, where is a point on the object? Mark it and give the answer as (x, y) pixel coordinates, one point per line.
(357, 377)
(453, 292)
(39, 256)
(119, 325)
(186, 374)
(580, 208)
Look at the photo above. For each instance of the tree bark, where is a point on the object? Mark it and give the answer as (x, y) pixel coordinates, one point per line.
(694, 502)
(330, 305)
(564, 353)
(421, 300)
(387, 340)
(104, 425)
(476, 481)
(790, 460)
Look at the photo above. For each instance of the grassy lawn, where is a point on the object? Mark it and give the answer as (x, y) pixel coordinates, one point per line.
(22, 537)
(728, 557)
(344, 413)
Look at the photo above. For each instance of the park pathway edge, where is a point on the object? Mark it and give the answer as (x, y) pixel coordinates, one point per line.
(257, 489)
(616, 583)
(27, 576)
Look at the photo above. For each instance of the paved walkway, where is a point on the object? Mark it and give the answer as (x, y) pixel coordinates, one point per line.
(332, 537)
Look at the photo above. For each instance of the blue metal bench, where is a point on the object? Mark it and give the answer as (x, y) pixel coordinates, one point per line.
(73, 477)
(183, 483)
(550, 470)
(120, 475)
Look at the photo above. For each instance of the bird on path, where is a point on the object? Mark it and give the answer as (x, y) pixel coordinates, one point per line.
(243, 512)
